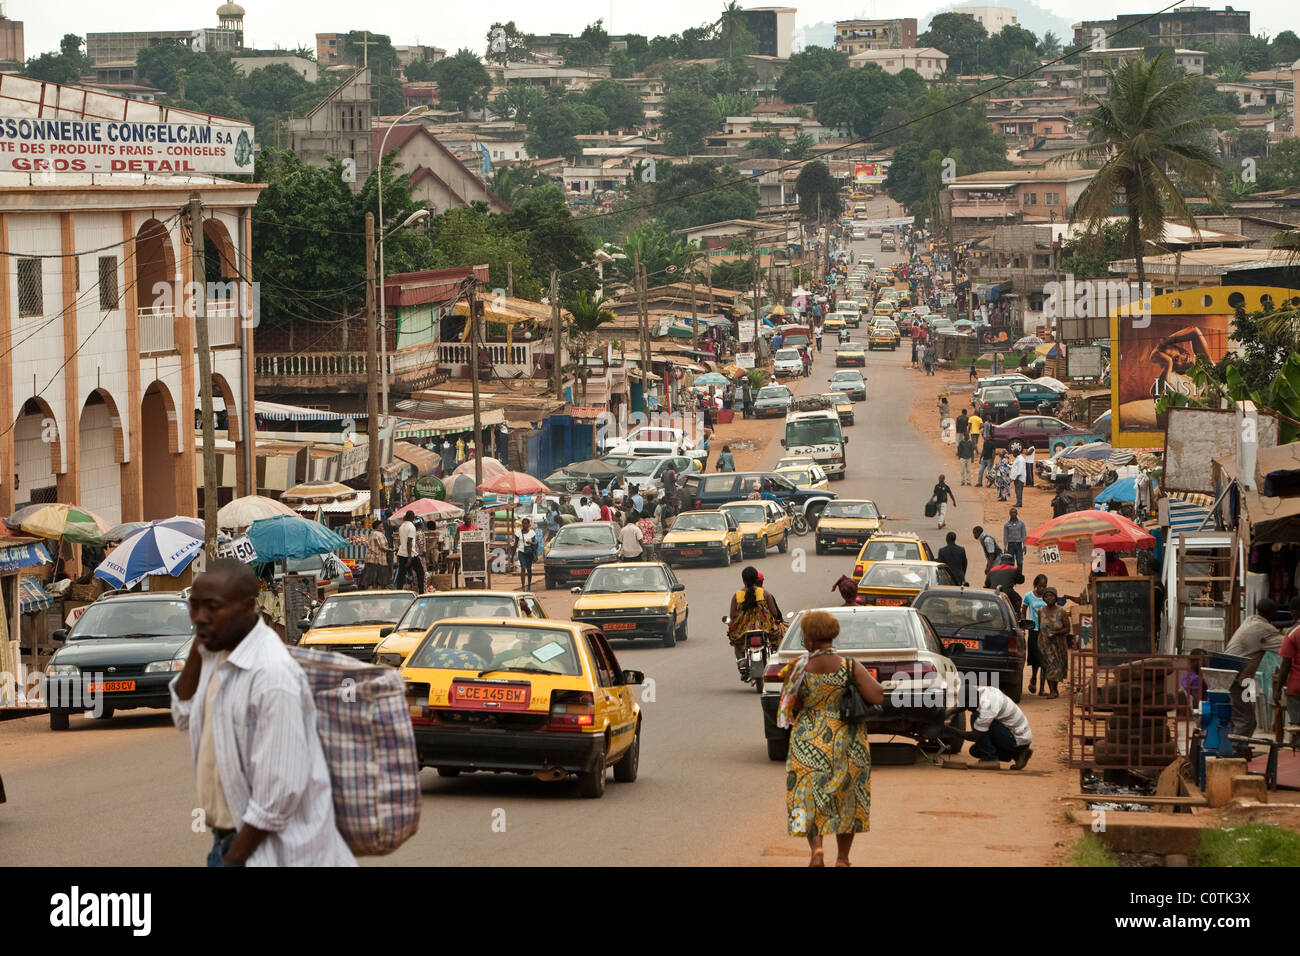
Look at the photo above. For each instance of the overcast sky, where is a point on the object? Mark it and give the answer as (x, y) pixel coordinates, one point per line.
(270, 23)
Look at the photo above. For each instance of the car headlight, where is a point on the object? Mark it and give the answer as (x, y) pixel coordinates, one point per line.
(62, 670)
(162, 667)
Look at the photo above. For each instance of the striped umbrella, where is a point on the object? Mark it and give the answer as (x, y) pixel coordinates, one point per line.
(1109, 531)
(163, 547)
(429, 507)
(514, 483)
(69, 522)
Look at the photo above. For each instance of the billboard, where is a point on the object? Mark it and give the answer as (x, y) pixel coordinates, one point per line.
(1154, 348)
(112, 146)
(873, 173)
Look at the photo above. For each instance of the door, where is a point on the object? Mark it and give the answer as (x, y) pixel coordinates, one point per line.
(611, 703)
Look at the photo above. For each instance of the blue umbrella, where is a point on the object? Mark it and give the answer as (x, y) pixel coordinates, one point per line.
(1124, 489)
(711, 378)
(160, 547)
(286, 537)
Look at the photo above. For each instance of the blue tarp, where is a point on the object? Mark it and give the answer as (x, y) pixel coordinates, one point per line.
(32, 597)
(15, 557)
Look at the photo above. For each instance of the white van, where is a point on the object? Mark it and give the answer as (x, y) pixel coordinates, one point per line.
(819, 436)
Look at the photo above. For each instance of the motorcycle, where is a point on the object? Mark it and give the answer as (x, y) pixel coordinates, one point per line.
(798, 522)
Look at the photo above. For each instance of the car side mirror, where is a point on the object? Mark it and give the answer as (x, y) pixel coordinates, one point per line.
(679, 586)
(385, 631)
(575, 590)
(304, 624)
(633, 677)
(60, 636)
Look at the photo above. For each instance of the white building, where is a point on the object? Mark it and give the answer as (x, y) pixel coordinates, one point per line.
(926, 60)
(993, 19)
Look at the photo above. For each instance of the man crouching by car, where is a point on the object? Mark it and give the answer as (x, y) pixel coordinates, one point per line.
(999, 730)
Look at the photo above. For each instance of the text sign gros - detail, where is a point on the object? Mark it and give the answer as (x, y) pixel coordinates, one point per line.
(110, 146)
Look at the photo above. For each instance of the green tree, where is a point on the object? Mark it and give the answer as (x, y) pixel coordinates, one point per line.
(1147, 126)
(515, 182)
(621, 65)
(269, 92)
(578, 52)
(518, 101)
(959, 37)
(818, 191)
(736, 104)
(687, 117)
(858, 99)
(1285, 48)
(587, 314)
(691, 194)
(733, 33)
(552, 132)
(771, 146)
(1005, 45)
(554, 239)
(468, 235)
(591, 119)
(1049, 47)
(1089, 254)
(462, 79)
(807, 72)
(52, 68)
(1281, 168)
(377, 53)
(618, 101)
(800, 147)
(506, 44)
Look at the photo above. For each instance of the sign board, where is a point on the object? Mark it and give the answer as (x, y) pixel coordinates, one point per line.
(1083, 328)
(1124, 615)
(110, 146)
(241, 549)
(1084, 361)
(745, 360)
(745, 328)
(1049, 554)
(430, 487)
(474, 555)
(1194, 437)
(299, 592)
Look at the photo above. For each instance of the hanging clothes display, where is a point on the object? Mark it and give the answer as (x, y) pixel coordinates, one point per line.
(460, 450)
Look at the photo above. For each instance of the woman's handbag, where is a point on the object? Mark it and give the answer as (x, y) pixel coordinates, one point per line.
(853, 707)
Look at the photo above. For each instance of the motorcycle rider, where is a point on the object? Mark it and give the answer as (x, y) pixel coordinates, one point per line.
(753, 608)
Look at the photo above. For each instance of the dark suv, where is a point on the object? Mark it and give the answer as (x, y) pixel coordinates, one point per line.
(705, 492)
(979, 631)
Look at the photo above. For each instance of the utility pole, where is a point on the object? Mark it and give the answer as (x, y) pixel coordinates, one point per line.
(510, 279)
(372, 371)
(638, 284)
(473, 379)
(199, 291)
(756, 310)
(695, 318)
(557, 370)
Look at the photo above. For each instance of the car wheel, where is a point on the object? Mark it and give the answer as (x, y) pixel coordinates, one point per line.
(681, 631)
(670, 636)
(726, 557)
(59, 720)
(626, 768)
(821, 548)
(449, 771)
(550, 583)
(592, 783)
(1015, 447)
(784, 544)
(778, 749)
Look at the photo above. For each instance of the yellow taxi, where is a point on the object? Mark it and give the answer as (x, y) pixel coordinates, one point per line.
(788, 460)
(883, 310)
(805, 475)
(352, 623)
(706, 537)
(834, 322)
(523, 696)
(847, 523)
(897, 583)
(851, 355)
(763, 524)
(842, 404)
(884, 337)
(428, 609)
(634, 599)
(895, 546)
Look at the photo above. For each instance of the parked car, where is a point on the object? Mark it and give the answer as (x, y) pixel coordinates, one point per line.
(352, 623)
(850, 382)
(1038, 397)
(772, 401)
(1041, 431)
(578, 548)
(998, 404)
(327, 568)
(649, 472)
(980, 632)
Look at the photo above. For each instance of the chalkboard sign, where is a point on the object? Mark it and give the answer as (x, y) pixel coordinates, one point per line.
(474, 555)
(1124, 615)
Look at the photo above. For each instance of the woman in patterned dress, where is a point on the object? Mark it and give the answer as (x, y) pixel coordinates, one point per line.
(828, 770)
(1002, 477)
(1053, 643)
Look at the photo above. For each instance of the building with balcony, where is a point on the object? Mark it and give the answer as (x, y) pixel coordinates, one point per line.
(1181, 26)
(979, 202)
(1094, 63)
(926, 60)
(858, 36)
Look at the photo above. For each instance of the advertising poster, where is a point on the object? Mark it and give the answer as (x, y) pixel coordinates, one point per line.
(1155, 358)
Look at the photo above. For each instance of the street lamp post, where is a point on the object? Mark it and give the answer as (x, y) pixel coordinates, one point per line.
(383, 276)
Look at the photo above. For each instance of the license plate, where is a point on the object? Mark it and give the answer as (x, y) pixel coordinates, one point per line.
(490, 696)
(111, 686)
(692, 554)
(974, 645)
(581, 572)
(619, 626)
(846, 540)
(892, 602)
(873, 672)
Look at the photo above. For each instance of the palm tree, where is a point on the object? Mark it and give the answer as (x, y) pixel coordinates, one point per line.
(731, 25)
(1149, 124)
(588, 314)
(1049, 46)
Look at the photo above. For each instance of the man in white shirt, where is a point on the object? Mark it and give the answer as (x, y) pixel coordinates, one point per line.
(1018, 478)
(999, 730)
(409, 562)
(629, 541)
(587, 511)
(264, 786)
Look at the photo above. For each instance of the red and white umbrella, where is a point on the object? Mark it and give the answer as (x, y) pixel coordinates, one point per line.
(513, 483)
(1109, 532)
(430, 508)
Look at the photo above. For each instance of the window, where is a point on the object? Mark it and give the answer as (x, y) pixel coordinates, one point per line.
(604, 671)
(1052, 199)
(108, 298)
(31, 298)
(1031, 199)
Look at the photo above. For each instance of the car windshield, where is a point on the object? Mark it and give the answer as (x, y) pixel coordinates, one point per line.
(848, 377)
(998, 395)
(426, 610)
(615, 580)
(813, 431)
(947, 613)
(850, 509)
(481, 648)
(862, 629)
(643, 467)
(894, 574)
(750, 512)
(700, 522)
(891, 551)
(346, 610)
(773, 391)
(132, 619)
(788, 355)
(590, 534)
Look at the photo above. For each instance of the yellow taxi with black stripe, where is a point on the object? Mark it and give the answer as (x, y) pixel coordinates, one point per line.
(806, 474)
(763, 525)
(834, 323)
(850, 355)
(634, 599)
(701, 537)
(846, 523)
(523, 696)
(897, 583)
(893, 546)
(883, 336)
(353, 623)
(428, 609)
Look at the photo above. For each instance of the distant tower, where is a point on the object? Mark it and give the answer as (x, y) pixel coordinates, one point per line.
(230, 16)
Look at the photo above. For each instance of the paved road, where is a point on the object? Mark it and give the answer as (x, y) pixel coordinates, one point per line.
(121, 791)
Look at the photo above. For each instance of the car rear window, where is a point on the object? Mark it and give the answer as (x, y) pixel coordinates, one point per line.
(892, 574)
(862, 629)
(132, 619)
(952, 612)
(717, 485)
(461, 647)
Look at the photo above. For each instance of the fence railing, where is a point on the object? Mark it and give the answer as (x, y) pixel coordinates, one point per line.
(156, 328)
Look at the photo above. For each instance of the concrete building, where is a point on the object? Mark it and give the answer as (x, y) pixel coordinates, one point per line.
(1093, 64)
(98, 371)
(11, 40)
(992, 19)
(226, 37)
(438, 179)
(307, 69)
(338, 126)
(926, 60)
(981, 201)
(1182, 26)
(858, 36)
(773, 27)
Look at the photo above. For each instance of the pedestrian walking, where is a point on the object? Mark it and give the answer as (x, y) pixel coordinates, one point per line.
(554, 520)
(942, 495)
(1013, 538)
(630, 540)
(263, 783)
(974, 373)
(914, 348)
(1032, 603)
(747, 396)
(954, 556)
(828, 770)
(965, 455)
(408, 558)
(929, 359)
(1018, 477)
(1002, 477)
(988, 547)
(726, 461)
(377, 553)
(1053, 646)
(986, 464)
(526, 550)
(1031, 455)
(944, 411)
(1252, 639)
(962, 424)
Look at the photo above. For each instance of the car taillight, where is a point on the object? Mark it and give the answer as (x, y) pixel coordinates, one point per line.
(1012, 646)
(756, 640)
(774, 671)
(572, 710)
(417, 701)
(699, 503)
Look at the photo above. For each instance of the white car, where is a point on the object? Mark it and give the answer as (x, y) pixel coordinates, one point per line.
(652, 440)
(787, 362)
(899, 647)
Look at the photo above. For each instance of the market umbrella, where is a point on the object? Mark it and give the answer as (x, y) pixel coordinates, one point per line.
(68, 522)
(1055, 383)
(462, 491)
(283, 537)
(1123, 490)
(1109, 531)
(317, 493)
(241, 512)
(593, 468)
(710, 378)
(513, 483)
(160, 547)
(430, 508)
(1093, 450)
(491, 468)
(777, 310)
(123, 531)
(1028, 342)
